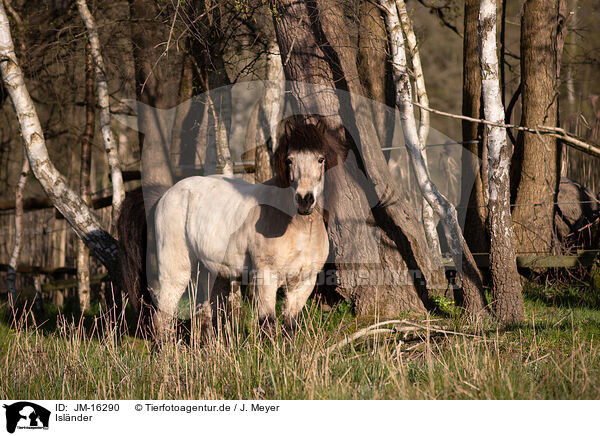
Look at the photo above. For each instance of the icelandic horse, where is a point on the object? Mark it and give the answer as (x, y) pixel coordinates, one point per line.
(274, 231)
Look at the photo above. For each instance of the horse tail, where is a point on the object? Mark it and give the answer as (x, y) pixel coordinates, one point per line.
(132, 231)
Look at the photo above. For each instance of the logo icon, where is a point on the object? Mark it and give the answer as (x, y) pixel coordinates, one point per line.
(26, 415)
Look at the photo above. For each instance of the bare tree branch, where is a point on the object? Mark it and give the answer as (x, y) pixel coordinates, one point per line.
(558, 132)
(82, 219)
(439, 12)
(13, 13)
(110, 144)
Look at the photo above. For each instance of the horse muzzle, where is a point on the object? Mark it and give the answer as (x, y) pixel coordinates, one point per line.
(306, 203)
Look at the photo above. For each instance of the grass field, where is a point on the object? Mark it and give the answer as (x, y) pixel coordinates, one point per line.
(553, 355)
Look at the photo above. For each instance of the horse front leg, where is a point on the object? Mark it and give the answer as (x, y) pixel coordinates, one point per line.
(295, 299)
(265, 291)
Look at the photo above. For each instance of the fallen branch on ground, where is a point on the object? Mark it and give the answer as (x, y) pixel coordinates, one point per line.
(377, 329)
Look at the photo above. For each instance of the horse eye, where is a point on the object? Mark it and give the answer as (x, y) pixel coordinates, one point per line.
(321, 160)
(288, 161)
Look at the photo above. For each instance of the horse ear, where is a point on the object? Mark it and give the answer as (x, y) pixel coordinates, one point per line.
(321, 126)
(278, 162)
(288, 127)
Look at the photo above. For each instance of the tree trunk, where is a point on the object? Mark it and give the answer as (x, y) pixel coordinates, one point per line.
(533, 213)
(69, 204)
(255, 146)
(374, 72)
(38, 300)
(471, 297)
(183, 144)
(474, 158)
(108, 138)
(83, 257)
(219, 130)
(261, 135)
(221, 136)
(421, 91)
(11, 275)
(208, 52)
(157, 75)
(370, 226)
(506, 286)
(274, 89)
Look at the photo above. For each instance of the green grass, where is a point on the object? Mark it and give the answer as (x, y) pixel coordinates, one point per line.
(553, 355)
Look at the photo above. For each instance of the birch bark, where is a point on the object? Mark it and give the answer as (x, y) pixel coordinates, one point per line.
(273, 99)
(11, 276)
(270, 107)
(83, 256)
(474, 158)
(108, 137)
(506, 286)
(423, 99)
(472, 297)
(69, 204)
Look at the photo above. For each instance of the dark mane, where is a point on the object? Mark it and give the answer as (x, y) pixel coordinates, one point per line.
(300, 134)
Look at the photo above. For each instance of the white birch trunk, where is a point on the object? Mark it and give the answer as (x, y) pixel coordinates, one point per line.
(471, 281)
(275, 87)
(221, 137)
(108, 137)
(271, 105)
(423, 99)
(506, 286)
(415, 57)
(83, 255)
(11, 275)
(82, 219)
(83, 276)
(222, 144)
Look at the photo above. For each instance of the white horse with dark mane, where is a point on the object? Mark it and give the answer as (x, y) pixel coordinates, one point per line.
(274, 231)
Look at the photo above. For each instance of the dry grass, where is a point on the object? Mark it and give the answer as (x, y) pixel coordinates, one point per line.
(554, 355)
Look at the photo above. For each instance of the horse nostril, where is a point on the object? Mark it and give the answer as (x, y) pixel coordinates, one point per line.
(298, 198)
(309, 198)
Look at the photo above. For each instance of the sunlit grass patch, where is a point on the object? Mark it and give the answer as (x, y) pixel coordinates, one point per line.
(554, 354)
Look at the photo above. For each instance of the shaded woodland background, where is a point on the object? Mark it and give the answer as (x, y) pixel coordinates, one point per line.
(50, 44)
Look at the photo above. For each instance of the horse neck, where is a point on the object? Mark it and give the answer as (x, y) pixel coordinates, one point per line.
(282, 199)
(308, 220)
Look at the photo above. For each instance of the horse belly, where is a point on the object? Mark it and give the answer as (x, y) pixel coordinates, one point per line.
(218, 228)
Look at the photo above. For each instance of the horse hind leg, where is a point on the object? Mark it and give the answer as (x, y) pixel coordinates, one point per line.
(174, 271)
(218, 300)
(213, 291)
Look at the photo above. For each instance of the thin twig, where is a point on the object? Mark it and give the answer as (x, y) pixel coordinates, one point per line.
(14, 13)
(172, 26)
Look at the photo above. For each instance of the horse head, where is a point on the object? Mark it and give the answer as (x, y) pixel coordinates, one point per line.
(301, 161)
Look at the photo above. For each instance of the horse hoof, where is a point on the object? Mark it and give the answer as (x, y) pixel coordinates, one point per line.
(290, 327)
(267, 326)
